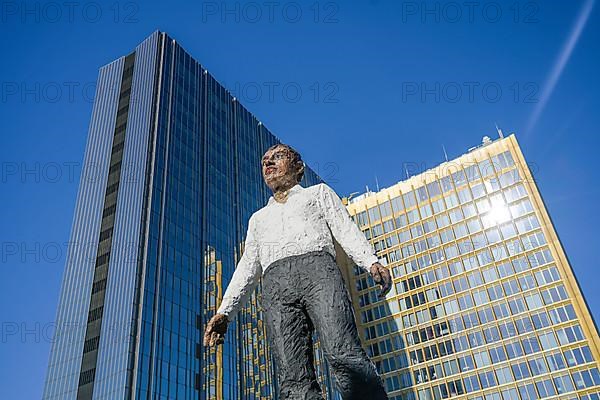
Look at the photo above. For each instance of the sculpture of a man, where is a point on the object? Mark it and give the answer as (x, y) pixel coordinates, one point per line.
(289, 243)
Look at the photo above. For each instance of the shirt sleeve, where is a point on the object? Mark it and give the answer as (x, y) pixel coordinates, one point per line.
(245, 277)
(345, 231)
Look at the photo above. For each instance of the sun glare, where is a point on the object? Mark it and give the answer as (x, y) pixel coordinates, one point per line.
(499, 212)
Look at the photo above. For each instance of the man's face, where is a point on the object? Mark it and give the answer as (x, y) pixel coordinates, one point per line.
(278, 170)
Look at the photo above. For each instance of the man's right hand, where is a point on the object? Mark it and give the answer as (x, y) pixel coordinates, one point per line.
(215, 330)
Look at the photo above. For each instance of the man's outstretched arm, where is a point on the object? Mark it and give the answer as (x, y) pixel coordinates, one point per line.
(240, 288)
(352, 240)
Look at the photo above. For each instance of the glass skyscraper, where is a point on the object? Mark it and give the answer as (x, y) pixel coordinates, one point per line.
(171, 176)
(485, 305)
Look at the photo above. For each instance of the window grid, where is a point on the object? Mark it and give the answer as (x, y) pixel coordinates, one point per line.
(514, 285)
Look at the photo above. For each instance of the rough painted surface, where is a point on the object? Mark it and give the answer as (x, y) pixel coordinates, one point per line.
(306, 292)
(307, 221)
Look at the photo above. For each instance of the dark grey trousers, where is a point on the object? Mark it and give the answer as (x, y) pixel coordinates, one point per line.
(307, 292)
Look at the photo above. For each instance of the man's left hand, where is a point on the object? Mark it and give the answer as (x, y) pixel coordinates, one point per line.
(381, 276)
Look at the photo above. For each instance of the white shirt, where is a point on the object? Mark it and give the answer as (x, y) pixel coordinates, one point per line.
(304, 223)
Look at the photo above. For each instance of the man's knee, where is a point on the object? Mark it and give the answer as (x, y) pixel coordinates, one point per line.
(356, 376)
(359, 387)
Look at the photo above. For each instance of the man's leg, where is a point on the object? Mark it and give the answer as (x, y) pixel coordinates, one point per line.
(331, 311)
(289, 332)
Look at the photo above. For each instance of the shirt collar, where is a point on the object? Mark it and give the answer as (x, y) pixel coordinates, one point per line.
(293, 190)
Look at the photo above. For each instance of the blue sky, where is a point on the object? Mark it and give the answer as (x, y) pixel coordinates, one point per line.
(361, 88)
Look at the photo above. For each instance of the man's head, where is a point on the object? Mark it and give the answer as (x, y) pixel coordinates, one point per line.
(282, 167)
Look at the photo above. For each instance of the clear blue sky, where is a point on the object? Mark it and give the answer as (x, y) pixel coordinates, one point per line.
(360, 88)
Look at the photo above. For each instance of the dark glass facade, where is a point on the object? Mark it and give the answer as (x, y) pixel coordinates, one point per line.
(177, 166)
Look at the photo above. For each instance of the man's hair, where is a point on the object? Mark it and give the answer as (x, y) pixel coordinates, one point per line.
(295, 158)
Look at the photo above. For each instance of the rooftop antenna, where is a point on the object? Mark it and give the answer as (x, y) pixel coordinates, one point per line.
(351, 195)
(348, 199)
(376, 183)
(406, 171)
(445, 154)
(500, 133)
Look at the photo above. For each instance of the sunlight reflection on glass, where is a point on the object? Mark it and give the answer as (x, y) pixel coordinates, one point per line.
(499, 212)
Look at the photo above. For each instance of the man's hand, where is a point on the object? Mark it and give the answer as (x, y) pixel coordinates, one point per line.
(215, 330)
(381, 276)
